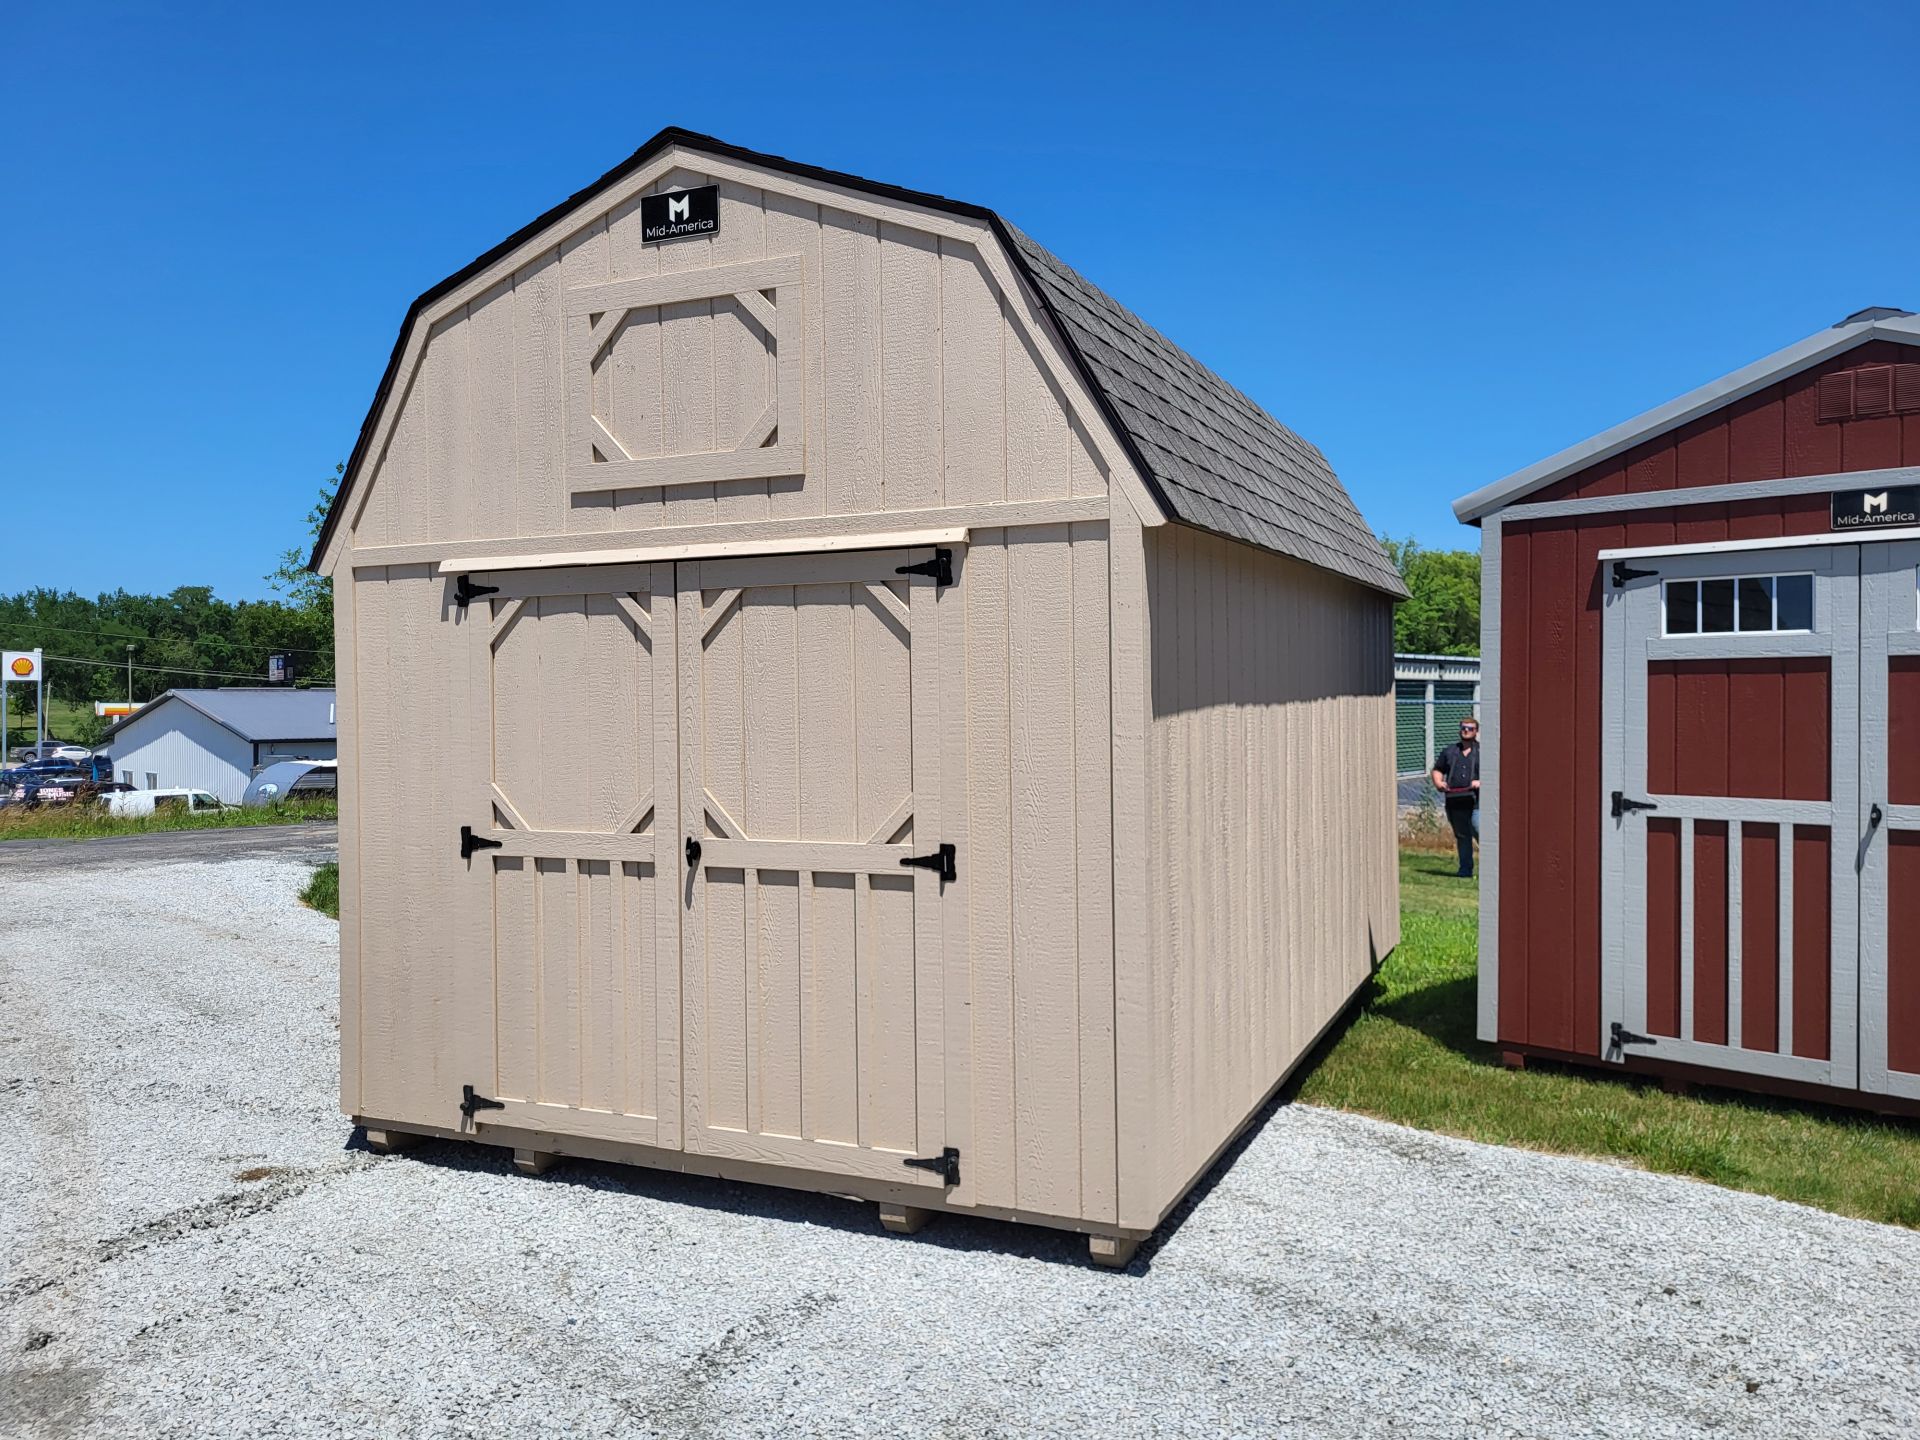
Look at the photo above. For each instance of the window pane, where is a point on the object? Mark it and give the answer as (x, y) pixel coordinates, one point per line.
(1683, 599)
(1793, 595)
(1756, 602)
(1716, 606)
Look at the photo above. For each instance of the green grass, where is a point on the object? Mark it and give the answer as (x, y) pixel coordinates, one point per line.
(66, 720)
(88, 822)
(323, 890)
(1410, 1056)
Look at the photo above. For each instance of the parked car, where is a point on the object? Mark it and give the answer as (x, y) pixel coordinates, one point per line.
(132, 803)
(53, 750)
(93, 770)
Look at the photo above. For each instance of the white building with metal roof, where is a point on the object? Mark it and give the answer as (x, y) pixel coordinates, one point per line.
(217, 739)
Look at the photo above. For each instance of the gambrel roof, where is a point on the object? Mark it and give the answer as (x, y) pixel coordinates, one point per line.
(1210, 457)
(1876, 323)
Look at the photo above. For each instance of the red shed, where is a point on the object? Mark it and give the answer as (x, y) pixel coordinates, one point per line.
(1701, 691)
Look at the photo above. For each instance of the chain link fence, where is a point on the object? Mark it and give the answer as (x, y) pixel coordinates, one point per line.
(1427, 716)
(1433, 694)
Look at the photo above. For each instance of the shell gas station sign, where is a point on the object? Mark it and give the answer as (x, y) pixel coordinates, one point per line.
(21, 667)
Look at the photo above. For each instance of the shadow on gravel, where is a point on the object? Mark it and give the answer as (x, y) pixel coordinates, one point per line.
(949, 1232)
(735, 1197)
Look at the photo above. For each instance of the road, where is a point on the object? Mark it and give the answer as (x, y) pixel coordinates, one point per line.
(313, 843)
(193, 1242)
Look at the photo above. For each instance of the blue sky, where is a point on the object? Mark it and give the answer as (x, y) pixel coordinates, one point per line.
(1441, 242)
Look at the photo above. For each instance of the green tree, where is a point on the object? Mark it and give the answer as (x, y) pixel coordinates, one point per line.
(303, 588)
(1442, 614)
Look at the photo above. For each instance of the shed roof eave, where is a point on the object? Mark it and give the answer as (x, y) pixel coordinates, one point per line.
(1822, 345)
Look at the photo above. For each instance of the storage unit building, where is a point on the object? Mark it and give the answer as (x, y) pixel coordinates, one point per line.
(831, 698)
(216, 740)
(1701, 695)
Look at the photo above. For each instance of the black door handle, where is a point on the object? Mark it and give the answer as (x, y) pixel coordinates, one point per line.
(693, 852)
(1874, 817)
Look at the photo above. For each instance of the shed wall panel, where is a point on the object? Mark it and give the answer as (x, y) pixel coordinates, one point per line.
(1273, 875)
(1033, 906)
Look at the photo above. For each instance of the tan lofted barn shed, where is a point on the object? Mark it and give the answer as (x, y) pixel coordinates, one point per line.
(828, 697)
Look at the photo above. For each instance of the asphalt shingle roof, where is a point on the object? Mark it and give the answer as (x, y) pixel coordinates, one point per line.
(1220, 461)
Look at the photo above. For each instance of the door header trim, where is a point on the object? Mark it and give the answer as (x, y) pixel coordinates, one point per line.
(715, 550)
(1768, 542)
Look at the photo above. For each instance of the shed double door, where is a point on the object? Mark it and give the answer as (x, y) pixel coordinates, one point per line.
(1751, 833)
(702, 779)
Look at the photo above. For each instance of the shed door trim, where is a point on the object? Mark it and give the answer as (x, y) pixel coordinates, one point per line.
(1634, 643)
(1889, 966)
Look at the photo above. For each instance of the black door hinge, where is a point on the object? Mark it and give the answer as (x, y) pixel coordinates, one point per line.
(465, 592)
(1623, 572)
(940, 567)
(1623, 1037)
(941, 860)
(470, 1102)
(946, 1164)
(1621, 805)
(470, 842)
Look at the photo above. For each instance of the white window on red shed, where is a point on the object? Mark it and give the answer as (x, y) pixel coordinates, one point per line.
(1740, 605)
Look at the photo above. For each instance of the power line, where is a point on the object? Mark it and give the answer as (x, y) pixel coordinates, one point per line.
(156, 669)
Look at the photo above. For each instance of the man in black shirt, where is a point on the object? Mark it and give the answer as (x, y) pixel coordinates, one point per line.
(1456, 775)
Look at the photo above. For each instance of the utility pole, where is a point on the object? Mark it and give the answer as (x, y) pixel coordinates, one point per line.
(129, 672)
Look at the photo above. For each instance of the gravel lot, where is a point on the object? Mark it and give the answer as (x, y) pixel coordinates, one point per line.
(191, 1244)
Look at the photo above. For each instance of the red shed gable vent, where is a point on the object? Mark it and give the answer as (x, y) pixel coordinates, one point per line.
(1871, 390)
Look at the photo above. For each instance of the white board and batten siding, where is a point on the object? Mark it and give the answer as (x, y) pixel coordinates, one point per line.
(624, 436)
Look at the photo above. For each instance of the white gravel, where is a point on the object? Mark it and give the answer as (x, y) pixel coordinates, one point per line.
(190, 1246)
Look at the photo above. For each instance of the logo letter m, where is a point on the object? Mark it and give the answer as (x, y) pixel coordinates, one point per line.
(1875, 504)
(682, 209)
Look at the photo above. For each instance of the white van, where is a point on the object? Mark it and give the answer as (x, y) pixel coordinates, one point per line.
(132, 803)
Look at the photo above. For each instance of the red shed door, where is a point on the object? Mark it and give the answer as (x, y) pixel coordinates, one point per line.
(1731, 803)
(1890, 789)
